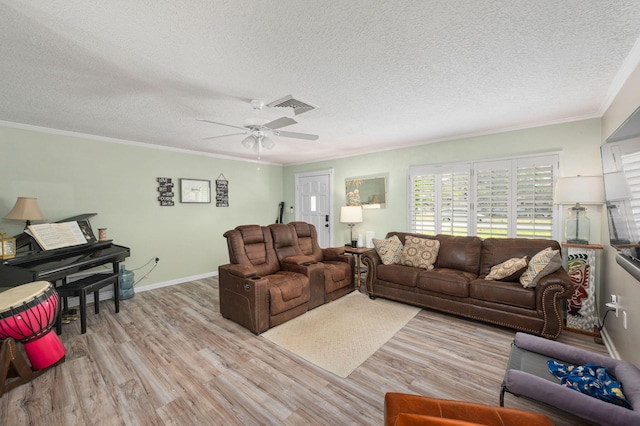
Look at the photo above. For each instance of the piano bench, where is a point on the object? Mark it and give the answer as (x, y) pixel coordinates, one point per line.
(80, 289)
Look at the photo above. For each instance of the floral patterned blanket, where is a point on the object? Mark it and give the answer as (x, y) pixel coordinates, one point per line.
(590, 379)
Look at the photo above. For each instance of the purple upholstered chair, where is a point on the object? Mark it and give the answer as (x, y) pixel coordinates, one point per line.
(528, 375)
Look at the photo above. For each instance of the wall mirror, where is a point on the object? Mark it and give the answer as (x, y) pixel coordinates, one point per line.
(621, 167)
(370, 192)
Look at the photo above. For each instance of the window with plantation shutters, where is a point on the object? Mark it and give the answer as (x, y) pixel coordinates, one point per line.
(535, 179)
(493, 188)
(423, 204)
(498, 199)
(439, 199)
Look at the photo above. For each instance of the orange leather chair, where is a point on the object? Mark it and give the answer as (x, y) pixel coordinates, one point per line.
(405, 410)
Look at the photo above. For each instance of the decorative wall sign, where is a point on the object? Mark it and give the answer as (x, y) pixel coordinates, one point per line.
(195, 191)
(165, 188)
(222, 191)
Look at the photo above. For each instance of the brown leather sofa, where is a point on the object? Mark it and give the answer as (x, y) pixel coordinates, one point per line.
(269, 280)
(456, 285)
(405, 410)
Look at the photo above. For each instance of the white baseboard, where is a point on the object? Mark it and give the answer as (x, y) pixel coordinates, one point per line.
(611, 348)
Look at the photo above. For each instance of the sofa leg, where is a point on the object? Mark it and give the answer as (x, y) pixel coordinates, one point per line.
(372, 297)
(503, 388)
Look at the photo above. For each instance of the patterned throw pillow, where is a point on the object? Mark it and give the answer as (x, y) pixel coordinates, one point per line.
(389, 250)
(420, 252)
(509, 270)
(542, 264)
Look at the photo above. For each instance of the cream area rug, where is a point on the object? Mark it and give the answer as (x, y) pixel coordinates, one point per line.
(341, 335)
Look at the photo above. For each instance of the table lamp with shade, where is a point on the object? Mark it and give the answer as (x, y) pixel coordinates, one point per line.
(578, 190)
(351, 215)
(26, 208)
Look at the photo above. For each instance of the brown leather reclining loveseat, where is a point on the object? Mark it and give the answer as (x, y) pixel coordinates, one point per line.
(457, 283)
(279, 272)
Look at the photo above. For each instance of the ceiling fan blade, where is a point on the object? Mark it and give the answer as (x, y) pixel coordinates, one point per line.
(222, 136)
(280, 122)
(221, 124)
(296, 135)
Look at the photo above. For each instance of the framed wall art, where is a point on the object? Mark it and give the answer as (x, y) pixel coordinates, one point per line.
(370, 192)
(195, 191)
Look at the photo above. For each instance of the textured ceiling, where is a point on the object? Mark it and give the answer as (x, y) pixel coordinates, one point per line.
(383, 74)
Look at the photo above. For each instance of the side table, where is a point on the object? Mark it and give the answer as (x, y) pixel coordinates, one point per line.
(357, 252)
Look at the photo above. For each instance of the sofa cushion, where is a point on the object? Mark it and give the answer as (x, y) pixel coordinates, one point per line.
(398, 274)
(509, 270)
(419, 252)
(389, 249)
(446, 281)
(542, 264)
(462, 253)
(507, 293)
(287, 290)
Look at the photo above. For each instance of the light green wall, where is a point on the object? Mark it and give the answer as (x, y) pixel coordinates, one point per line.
(72, 175)
(578, 142)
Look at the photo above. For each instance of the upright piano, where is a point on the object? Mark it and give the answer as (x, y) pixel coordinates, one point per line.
(57, 264)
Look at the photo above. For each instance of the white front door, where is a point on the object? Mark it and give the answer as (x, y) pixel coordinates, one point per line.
(314, 202)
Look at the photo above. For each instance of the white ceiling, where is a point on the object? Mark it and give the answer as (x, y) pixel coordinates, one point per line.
(383, 74)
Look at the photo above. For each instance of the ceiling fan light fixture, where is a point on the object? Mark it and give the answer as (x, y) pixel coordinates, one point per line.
(249, 142)
(267, 143)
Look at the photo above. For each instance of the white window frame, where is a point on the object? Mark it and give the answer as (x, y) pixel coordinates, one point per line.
(548, 163)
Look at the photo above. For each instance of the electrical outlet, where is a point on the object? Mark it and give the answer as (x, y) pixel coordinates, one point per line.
(613, 304)
(624, 319)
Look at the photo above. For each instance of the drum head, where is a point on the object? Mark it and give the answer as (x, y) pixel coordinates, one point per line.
(14, 297)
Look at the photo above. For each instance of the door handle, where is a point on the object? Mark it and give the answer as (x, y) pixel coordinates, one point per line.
(326, 218)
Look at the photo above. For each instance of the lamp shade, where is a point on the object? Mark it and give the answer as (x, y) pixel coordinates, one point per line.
(351, 214)
(579, 190)
(26, 208)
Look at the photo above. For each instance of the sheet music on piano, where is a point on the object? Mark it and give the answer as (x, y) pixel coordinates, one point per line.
(57, 235)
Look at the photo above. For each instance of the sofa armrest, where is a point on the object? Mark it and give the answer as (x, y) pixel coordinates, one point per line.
(336, 254)
(238, 270)
(563, 286)
(549, 291)
(371, 260)
(298, 260)
(244, 299)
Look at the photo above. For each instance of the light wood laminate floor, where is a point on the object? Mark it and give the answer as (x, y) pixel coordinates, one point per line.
(169, 358)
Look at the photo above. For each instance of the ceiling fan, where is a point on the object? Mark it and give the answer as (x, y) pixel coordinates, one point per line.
(257, 139)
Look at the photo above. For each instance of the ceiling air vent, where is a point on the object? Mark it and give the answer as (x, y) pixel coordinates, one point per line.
(297, 106)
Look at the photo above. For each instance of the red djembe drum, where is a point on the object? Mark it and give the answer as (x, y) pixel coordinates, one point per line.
(27, 314)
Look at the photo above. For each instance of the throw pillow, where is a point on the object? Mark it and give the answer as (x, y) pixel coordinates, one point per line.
(420, 252)
(509, 270)
(542, 264)
(389, 250)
